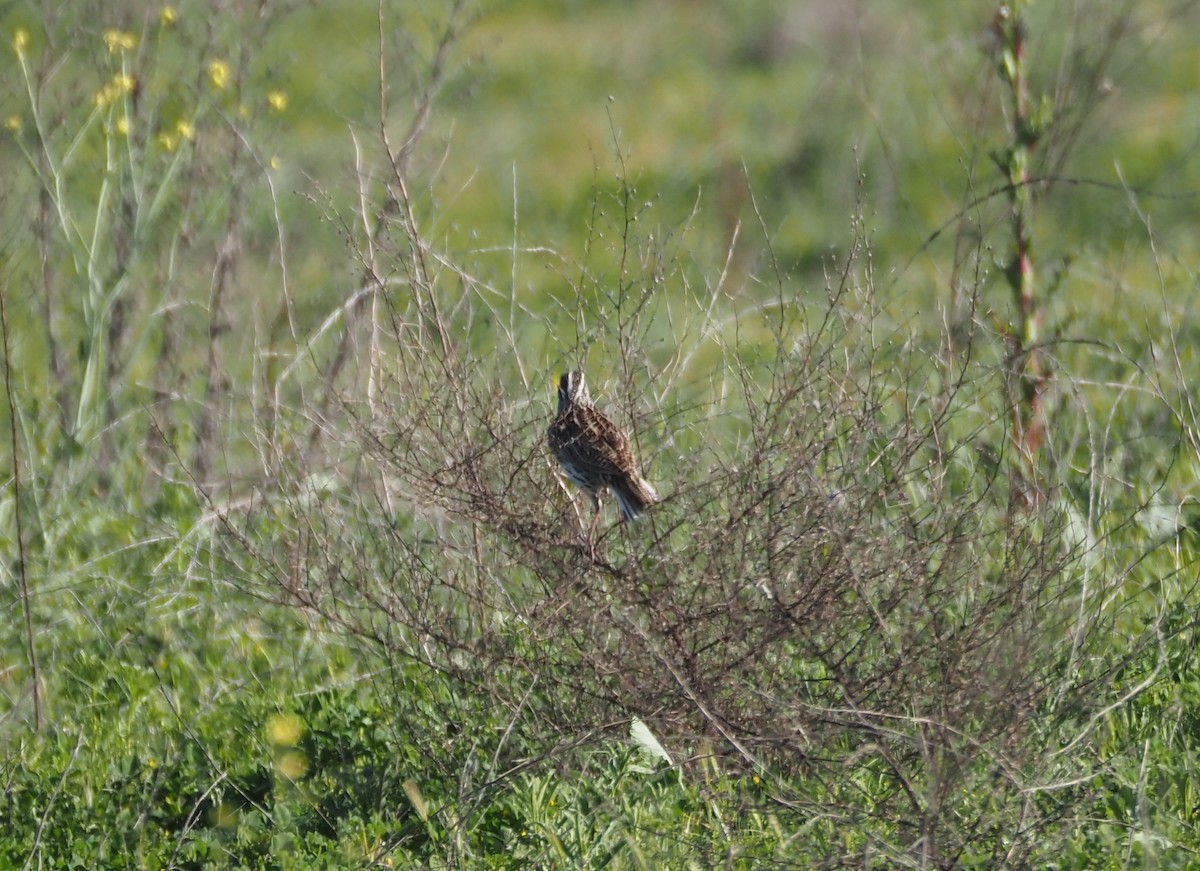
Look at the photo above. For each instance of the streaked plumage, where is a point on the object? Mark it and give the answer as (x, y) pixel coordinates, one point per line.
(594, 452)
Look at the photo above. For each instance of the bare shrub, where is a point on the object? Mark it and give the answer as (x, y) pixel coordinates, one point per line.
(835, 596)
(845, 595)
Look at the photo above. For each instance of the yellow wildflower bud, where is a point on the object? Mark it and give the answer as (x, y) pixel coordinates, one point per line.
(119, 40)
(185, 129)
(20, 40)
(218, 74)
(284, 729)
(105, 96)
(277, 100)
(293, 765)
(13, 123)
(168, 16)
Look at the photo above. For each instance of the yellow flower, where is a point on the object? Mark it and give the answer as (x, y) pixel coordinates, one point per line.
(277, 100)
(124, 83)
(105, 96)
(276, 163)
(185, 129)
(167, 141)
(13, 123)
(218, 74)
(284, 729)
(293, 765)
(119, 40)
(20, 40)
(123, 125)
(168, 16)
(243, 110)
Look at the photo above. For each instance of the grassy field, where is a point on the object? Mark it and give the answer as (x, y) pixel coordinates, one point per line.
(897, 303)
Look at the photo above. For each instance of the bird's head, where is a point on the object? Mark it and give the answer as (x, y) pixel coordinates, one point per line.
(572, 388)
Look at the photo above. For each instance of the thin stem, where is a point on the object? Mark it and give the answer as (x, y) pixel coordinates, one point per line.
(1027, 367)
(22, 570)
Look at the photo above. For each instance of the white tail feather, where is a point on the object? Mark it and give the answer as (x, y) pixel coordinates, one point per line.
(634, 499)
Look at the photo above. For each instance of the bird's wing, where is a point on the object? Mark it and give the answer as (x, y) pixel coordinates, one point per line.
(609, 451)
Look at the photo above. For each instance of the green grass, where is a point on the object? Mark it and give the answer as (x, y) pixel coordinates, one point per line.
(303, 588)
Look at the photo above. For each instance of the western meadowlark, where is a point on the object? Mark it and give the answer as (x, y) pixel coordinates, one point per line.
(594, 452)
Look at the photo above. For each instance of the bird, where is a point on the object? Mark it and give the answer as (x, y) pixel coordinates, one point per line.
(595, 453)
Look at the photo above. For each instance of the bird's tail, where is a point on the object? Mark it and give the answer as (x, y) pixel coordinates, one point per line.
(633, 496)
